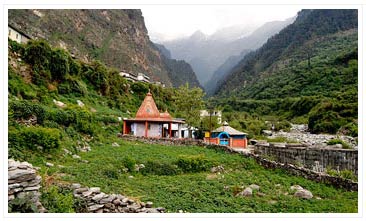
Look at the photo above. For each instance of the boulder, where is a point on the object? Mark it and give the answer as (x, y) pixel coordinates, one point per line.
(304, 194)
(254, 187)
(115, 144)
(296, 187)
(149, 204)
(81, 104)
(247, 192)
(95, 207)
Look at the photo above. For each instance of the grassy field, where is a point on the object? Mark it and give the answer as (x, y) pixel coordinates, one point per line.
(193, 191)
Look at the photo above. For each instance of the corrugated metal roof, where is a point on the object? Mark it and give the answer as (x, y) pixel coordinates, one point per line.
(229, 130)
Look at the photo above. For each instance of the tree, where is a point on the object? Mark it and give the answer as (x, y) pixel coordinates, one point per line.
(189, 102)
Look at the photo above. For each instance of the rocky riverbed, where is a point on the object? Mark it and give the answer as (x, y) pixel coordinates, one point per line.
(299, 133)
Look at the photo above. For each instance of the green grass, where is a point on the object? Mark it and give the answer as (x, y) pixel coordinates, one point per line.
(197, 192)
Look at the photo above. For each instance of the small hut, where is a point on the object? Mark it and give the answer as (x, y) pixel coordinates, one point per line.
(227, 136)
(149, 122)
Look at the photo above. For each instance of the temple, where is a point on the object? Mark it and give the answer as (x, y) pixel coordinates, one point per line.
(227, 136)
(149, 122)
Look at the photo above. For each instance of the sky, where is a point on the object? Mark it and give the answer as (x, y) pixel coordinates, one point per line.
(169, 22)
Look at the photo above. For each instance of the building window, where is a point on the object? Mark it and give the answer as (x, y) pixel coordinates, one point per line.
(16, 36)
(9, 32)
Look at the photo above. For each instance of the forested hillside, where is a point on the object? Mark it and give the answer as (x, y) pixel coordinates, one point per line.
(308, 70)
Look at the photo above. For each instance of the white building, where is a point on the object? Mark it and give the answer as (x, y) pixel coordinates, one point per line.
(214, 113)
(128, 76)
(16, 35)
(143, 77)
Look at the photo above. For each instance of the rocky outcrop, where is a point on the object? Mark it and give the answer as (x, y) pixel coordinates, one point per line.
(23, 182)
(99, 202)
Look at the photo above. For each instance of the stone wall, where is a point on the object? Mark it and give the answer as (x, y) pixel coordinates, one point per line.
(295, 170)
(164, 141)
(314, 158)
(23, 181)
(99, 202)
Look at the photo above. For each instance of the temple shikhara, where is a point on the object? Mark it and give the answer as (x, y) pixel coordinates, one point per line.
(149, 122)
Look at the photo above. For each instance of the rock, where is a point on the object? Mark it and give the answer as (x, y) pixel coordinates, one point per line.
(22, 175)
(98, 197)
(67, 151)
(246, 192)
(267, 132)
(49, 164)
(24, 165)
(180, 211)
(11, 197)
(81, 104)
(87, 193)
(142, 204)
(117, 202)
(149, 204)
(108, 199)
(296, 187)
(85, 161)
(338, 145)
(160, 209)
(254, 187)
(93, 110)
(31, 188)
(272, 202)
(130, 177)
(59, 103)
(260, 194)
(81, 190)
(305, 194)
(216, 169)
(95, 189)
(95, 207)
(76, 156)
(75, 186)
(60, 166)
(115, 144)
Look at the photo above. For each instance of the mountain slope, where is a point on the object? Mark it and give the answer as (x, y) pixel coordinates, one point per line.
(117, 37)
(178, 70)
(290, 60)
(206, 53)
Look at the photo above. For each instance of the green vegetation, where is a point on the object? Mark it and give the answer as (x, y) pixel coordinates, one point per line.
(308, 73)
(339, 141)
(177, 178)
(196, 189)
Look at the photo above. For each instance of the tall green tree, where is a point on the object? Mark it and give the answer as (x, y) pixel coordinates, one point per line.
(189, 102)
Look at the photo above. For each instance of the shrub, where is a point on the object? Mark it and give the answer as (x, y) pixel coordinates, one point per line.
(59, 64)
(34, 137)
(23, 205)
(161, 169)
(38, 53)
(26, 109)
(129, 163)
(58, 200)
(193, 164)
(339, 141)
(16, 47)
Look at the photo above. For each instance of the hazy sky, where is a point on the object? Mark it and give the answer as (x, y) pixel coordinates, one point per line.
(179, 21)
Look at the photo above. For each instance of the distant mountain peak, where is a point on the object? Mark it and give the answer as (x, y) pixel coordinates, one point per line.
(198, 36)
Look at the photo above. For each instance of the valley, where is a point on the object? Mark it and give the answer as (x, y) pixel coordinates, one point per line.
(290, 82)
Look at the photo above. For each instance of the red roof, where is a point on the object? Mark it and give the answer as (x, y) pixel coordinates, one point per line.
(148, 108)
(149, 112)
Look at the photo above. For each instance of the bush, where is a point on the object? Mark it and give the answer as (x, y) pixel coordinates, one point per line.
(59, 64)
(38, 53)
(33, 138)
(193, 164)
(161, 169)
(26, 109)
(129, 163)
(16, 47)
(339, 141)
(58, 200)
(23, 205)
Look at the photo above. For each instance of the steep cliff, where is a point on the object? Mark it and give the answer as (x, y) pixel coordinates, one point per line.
(117, 37)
